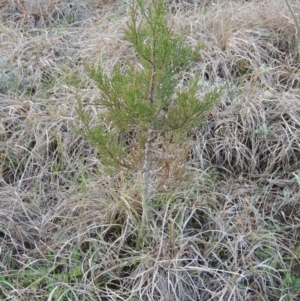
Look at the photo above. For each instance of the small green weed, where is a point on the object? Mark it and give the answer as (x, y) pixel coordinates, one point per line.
(48, 275)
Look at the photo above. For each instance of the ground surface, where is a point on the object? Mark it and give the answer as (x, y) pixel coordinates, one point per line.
(229, 231)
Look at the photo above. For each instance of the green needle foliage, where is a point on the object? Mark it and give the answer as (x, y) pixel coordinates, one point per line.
(142, 101)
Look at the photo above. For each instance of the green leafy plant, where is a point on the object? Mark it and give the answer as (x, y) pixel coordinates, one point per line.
(262, 131)
(291, 277)
(142, 103)
(44, 274)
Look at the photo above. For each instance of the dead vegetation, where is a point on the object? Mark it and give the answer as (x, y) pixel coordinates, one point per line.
(229, 231)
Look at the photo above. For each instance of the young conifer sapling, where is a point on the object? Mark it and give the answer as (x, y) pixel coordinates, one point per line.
(143, 101)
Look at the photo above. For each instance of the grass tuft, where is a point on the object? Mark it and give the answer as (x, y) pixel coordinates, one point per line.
(226, 229)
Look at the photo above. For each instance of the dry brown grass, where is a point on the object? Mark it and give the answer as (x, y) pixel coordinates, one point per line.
(228, 231)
